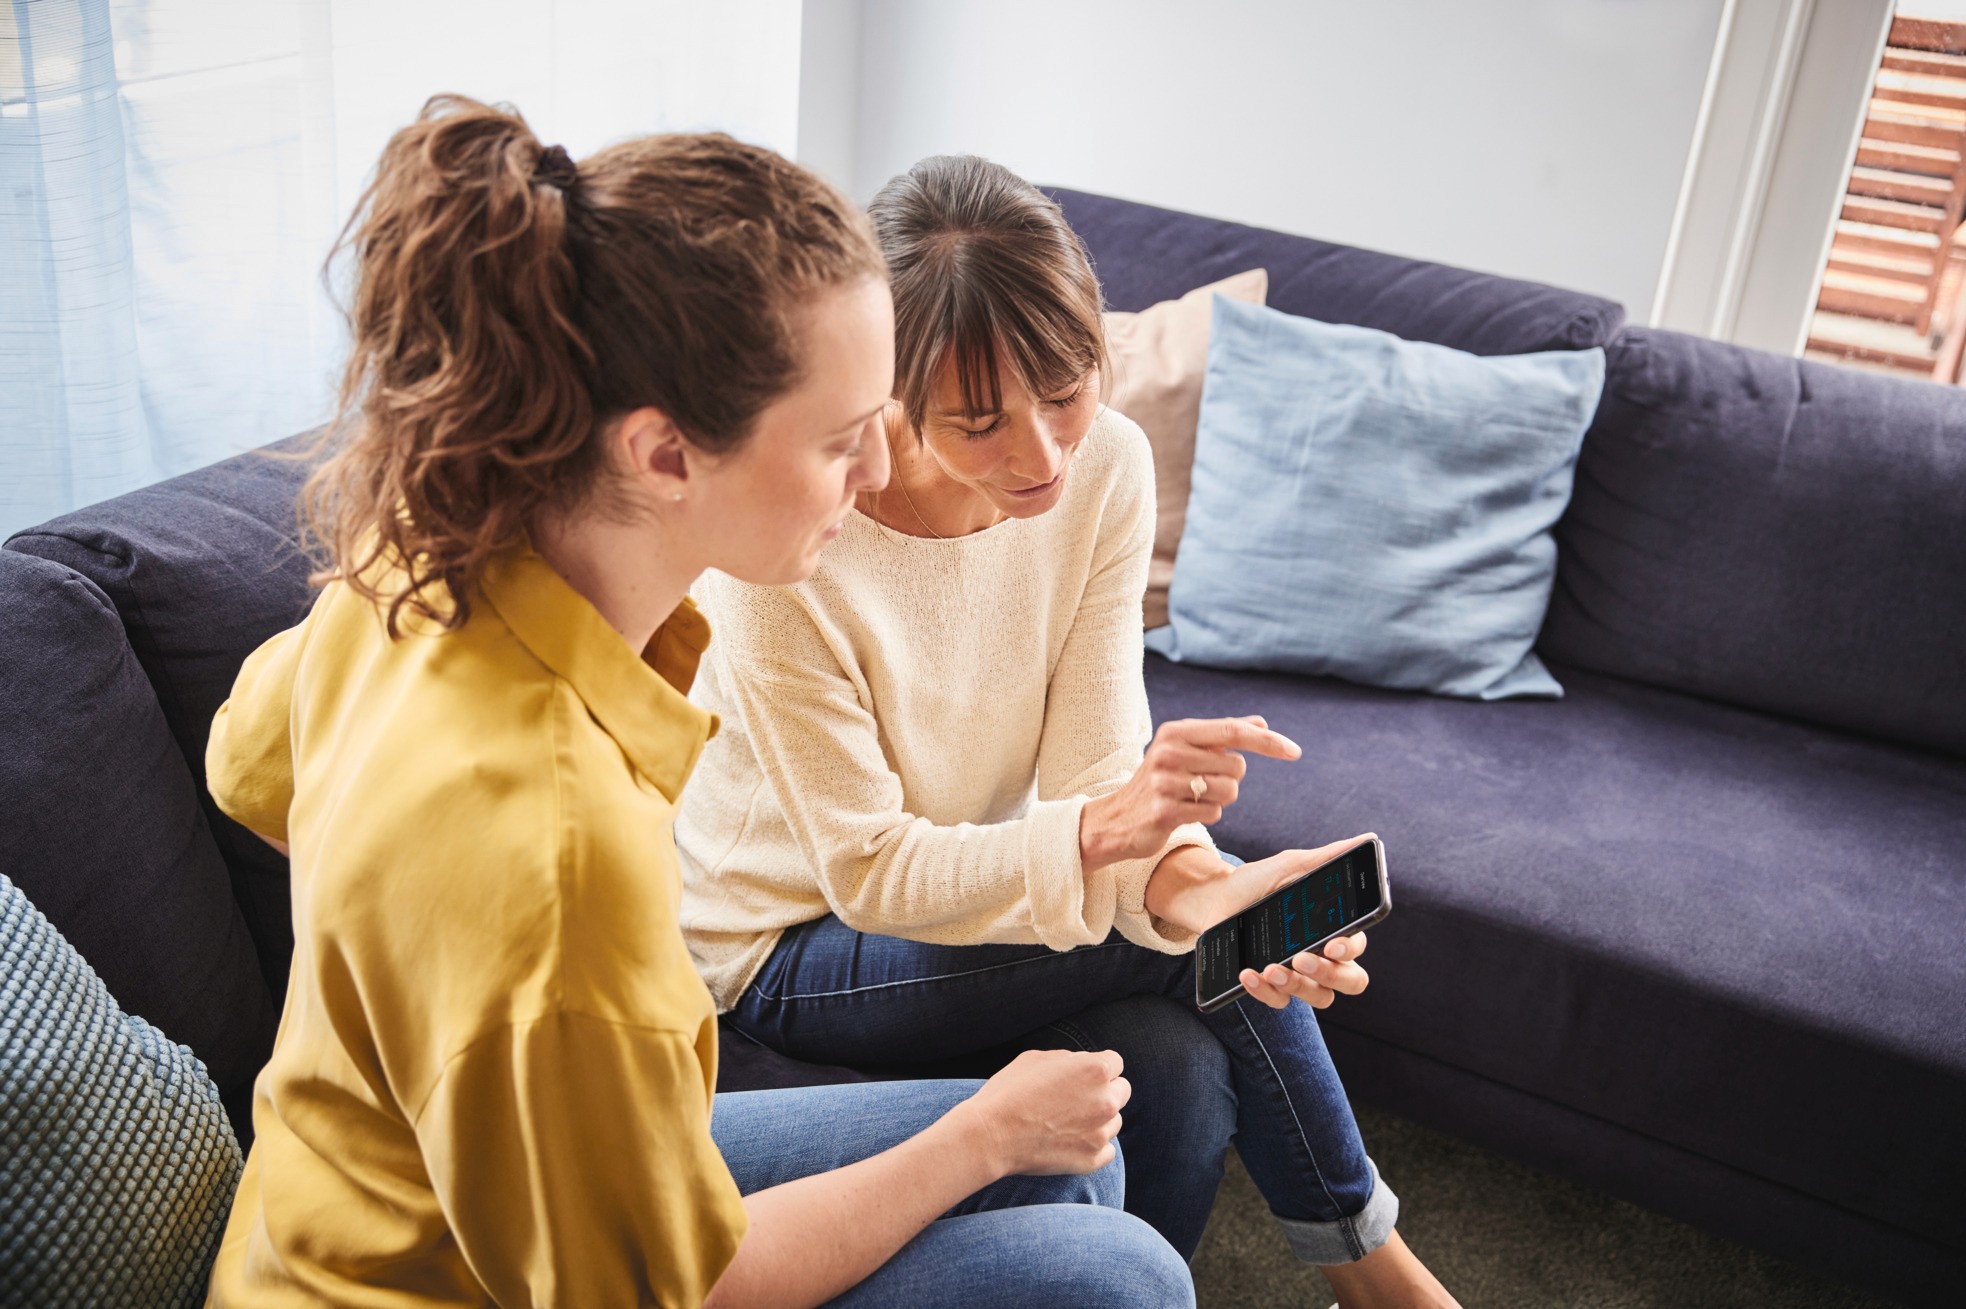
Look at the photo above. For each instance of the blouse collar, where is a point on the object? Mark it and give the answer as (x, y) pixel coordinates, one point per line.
(642, 702)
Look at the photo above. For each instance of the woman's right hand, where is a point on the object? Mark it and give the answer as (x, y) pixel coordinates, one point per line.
(1136, 820)
(812, 1238)
(1052, 1111)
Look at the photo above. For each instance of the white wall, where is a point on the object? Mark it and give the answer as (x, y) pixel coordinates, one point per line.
(1544, 139)
(829, 88)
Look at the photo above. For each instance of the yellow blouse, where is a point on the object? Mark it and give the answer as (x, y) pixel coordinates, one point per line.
(493, 1076)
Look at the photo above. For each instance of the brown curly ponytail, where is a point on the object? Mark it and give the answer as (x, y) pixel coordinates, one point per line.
(508, 304)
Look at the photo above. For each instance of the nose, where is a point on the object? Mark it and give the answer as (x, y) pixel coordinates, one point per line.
(1040, 458)
(875, 465)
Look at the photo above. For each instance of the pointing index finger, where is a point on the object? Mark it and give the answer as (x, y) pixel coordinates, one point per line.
(1241, 734)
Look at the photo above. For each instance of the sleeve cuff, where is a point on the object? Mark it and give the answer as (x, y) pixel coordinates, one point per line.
(255, 797)
(1068, 907)
(1131, 877)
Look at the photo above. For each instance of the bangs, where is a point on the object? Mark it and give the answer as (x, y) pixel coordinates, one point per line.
(1007, 307)
(1045, 346)
(986, 275)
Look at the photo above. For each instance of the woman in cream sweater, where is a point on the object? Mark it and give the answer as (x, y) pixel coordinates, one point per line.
(937, 822)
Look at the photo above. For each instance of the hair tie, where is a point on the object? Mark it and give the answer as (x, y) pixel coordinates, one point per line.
(556, 168)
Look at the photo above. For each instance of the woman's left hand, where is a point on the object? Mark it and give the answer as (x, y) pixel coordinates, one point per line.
(1193, 889)
(1316, 979)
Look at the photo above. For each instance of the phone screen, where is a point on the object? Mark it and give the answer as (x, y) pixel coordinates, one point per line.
(1273, 929)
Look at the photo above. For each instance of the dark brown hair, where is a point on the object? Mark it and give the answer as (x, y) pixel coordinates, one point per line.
(508, 304)
(984, 266)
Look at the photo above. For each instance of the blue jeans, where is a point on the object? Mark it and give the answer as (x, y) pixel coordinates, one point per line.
(1018, 1242)
(1248, 1074)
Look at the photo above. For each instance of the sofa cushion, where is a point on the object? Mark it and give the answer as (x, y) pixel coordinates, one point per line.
(116, 1165)
(1144, 254)
(1159, 357)
(1330, 528)
(1772, 532)
(202, 569)
(103, 830)
(1735, 934)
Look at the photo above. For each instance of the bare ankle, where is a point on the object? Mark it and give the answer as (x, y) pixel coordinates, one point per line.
(1391, 1277)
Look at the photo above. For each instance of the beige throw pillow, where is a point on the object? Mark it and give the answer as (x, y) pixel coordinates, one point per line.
(1160, 356)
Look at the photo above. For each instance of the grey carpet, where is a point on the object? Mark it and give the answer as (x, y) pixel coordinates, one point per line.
(1502, 1235)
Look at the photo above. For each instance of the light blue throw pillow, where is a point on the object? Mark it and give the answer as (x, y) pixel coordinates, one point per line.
(117, 1162)
(1375, 509)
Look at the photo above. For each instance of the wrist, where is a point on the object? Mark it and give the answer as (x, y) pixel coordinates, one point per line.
(1179, 871)
(1097, 844)
(976, 1141)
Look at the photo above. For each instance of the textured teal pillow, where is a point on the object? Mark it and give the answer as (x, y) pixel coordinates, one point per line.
(117, 1163)
(1375, 509)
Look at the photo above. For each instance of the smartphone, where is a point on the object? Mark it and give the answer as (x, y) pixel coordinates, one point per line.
(1341, 896)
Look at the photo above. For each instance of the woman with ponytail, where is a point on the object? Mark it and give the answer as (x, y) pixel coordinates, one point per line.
(572, 389)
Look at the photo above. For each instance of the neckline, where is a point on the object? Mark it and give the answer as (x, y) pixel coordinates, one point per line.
(893, 535)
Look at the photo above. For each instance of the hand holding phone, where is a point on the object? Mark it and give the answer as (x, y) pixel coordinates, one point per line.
(1316, 978)
(1270, 950)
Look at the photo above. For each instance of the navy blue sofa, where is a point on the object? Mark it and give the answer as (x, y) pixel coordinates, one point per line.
(1692, 934)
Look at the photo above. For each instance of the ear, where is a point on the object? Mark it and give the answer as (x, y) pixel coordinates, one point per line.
(894, 422)
(656, 453)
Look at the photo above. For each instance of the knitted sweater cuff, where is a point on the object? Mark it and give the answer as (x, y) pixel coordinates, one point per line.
(1136, 924)
(1068, 907)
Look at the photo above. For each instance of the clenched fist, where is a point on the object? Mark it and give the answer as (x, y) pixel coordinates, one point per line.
(1053, 1111)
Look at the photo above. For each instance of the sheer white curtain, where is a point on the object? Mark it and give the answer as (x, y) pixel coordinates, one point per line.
(175, 170)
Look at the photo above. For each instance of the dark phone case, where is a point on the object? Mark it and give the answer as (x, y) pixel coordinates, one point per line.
(1359, 925)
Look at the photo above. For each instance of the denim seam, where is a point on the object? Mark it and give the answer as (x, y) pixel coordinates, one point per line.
(758, 988)
(1071, 1032)
(1382, 1206)
(1345, 1224)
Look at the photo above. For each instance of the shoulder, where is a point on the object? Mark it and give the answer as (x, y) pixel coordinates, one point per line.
(733, 606)
(764, 626)
(453, 749)
(525, 861)
(1114, 498)
(1118, 448)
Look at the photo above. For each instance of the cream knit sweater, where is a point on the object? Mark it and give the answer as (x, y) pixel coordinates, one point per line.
(909, 735)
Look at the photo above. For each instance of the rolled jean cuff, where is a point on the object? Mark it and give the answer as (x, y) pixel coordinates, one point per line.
(1348, 1239)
